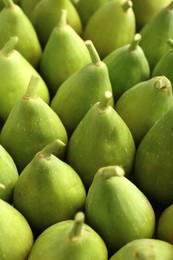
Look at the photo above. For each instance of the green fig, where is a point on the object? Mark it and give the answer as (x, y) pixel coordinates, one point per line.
(165, 65)
(146, 10)
(144, 104)
(14, 22)
(30, 126)
(16, 235)
(28, 6)
(82, 90)
(48, 189)
(64, 54)
(153, 162)
(8, 175)
(102, 138)
(46, 14)
(155, 34)
(69, 239)
(117, 210)
(15, 73)
(111, 26)
(127, 66)
(86, 8)
(164, 229)
(145, 249)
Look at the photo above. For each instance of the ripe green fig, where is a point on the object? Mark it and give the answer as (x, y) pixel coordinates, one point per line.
(48, 189)
(16, 235)
(144, 104)
(165, 65)
(82, 90)
(86, 8)
(153, 162)
(146, 10)
(46, 14)
(164, 230)
(13, 85)
(69, 239)
(30, 126)
(14, 22)
(127, 66)
(145, 249)
(28, 6)
(8, 175)
(117, 210)
(155, 34)
(111, 26)
(102, 138)
(64, 54)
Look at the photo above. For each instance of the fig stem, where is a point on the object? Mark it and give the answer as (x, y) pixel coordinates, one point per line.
(52, 148)
(76, 231)
(135, 42)
(126, 5)
(33, 83)
(63, 18)
(93, 52)
(111, 171)
(170, 42)
(160, 83)
(2, 186)
(10, 45)
(8, 3)
(105, 101)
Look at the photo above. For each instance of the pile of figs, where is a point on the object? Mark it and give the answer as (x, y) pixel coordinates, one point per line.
(86, 130)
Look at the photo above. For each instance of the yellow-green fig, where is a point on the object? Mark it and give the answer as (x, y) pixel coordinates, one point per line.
(48, 189)
(144, 104)
(117, 209)
(69, 239)
(145, 249)
(16, 235)
(82, 90)
(15, 73)
(46, 14)
(102, 138)
(28, 6)
(111, 26)
(64, 54)
(14, 22)
(8, 175)
(30, 126)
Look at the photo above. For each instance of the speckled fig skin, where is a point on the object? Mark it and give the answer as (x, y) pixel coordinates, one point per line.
(82, 90)
(30, 126)
(70, 239)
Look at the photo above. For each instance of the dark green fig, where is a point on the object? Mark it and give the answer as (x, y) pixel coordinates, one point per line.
(101, 138)
(16, 235)
(82, 90)
(69, 239)
(165, 65)
(30, 126)
(15, 73)
(155, 34)
(117, 210)
(153, 162)
(145, 249)
(64, 54)
(48, 190)
(127, 66)
(28, 6)
(86, 8)
(8, 175)
(146, 10)
(144, 104)
(164, 230)
(46, 14)
(111, 26)
(14, 22)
